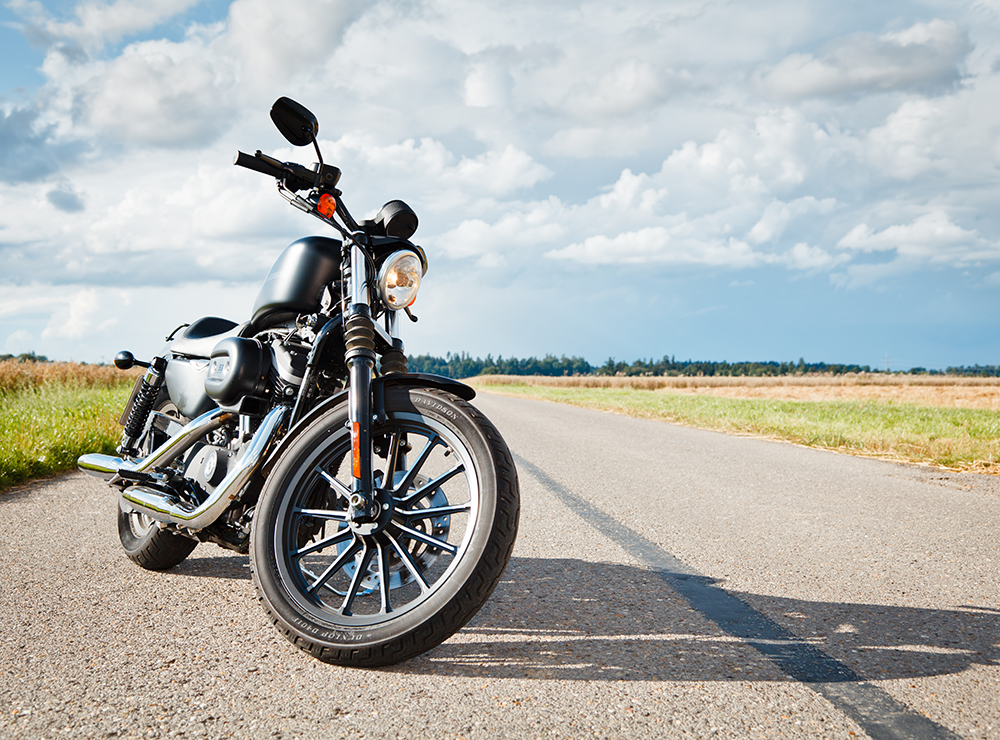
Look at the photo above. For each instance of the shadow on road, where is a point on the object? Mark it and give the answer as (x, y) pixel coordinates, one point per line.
(570, 619)
(231, 566)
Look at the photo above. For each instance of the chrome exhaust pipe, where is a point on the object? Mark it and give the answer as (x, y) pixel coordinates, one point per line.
(109, 467)
(102, 466)
(163, 507)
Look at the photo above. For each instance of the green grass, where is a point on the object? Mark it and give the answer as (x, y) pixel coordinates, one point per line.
(43, 430)
(957, 439)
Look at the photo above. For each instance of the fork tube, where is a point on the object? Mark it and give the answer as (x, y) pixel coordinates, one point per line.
(359, 338)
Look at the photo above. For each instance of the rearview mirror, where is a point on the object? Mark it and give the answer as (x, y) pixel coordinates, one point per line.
(295, 122)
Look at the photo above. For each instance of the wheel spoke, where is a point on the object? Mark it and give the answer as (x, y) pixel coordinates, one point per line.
(391, 457)
(340, 516)
(341, 536)
(335, 484)
(428, 488)
(383, 577)
(432, 442)
(427, 539)
(404, 556)
(344, 558)
(359, 575)
(412, 514)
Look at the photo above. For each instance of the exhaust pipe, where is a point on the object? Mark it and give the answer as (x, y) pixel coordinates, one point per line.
(108, 467)
(164, 507)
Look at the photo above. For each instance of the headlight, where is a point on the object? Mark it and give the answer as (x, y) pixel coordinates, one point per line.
(399, 279)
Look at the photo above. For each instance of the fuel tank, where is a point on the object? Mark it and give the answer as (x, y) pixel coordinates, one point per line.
(296, 281)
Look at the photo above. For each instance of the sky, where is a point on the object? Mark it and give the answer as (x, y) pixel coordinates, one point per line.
(702, 179)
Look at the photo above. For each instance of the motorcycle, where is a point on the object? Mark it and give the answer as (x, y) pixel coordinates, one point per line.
(379, 507)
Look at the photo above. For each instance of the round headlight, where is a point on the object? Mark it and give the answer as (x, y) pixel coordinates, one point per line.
(399, 279)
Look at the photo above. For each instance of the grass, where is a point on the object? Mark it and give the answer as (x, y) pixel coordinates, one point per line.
(965, 439)
(51, 413)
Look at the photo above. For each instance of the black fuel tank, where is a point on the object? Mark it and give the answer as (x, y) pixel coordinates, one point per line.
(296, 281)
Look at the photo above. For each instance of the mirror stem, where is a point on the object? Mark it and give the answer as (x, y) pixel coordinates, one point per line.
(319, 170)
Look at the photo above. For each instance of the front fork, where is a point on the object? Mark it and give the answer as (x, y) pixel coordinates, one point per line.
(359, 340)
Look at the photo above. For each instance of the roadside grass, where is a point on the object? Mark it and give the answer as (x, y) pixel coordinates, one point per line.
(51, 413)
(958, 439)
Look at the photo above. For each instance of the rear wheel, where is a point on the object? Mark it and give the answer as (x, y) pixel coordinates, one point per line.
(368, 595)
(144, 542)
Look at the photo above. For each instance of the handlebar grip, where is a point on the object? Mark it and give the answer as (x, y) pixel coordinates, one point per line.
(257, 164)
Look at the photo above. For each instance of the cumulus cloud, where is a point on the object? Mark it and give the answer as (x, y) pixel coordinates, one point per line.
(658, 245)
(926, 57)
(160, 93)
(778, 215)
(533, 139)
(805, 257)
(97, 23)
(932, 238)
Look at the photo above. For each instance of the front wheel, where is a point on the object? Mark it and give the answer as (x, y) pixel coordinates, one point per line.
(375, 594)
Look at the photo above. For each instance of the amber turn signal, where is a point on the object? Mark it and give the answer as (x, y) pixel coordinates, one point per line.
(327, 205)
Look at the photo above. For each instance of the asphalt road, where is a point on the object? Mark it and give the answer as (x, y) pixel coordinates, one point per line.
(667, 582)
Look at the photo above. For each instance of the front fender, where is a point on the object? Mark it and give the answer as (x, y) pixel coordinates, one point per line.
(379, 384)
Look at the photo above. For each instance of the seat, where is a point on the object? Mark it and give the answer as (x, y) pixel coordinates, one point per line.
(199, 338)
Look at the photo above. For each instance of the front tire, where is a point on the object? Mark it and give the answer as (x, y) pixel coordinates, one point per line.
(375, 595)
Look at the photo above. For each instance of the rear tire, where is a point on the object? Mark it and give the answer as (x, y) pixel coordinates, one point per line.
(144, 542)
(355, 597)
(149, 546)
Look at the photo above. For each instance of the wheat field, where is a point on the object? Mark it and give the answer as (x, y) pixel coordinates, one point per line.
(916, 390)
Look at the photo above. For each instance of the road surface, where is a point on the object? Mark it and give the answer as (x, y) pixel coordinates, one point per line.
(667, 582)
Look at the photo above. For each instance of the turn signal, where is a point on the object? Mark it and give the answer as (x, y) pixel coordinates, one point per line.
(327, 205)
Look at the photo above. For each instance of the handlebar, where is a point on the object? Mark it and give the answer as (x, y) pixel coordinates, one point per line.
(257, 164)
(295, 176)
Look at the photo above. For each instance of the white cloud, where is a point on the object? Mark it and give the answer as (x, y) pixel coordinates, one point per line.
(778, 215)
(487, 85)
(98, 23)
(659, 245)
(805, 257)
(162, 94)
(20, 341)
(932, 238)
(75, 318)
(924, 56)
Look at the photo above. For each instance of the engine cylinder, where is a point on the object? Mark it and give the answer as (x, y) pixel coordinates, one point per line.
(239, 367)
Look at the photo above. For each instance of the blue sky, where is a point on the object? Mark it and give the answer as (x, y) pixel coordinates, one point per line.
(709, 180)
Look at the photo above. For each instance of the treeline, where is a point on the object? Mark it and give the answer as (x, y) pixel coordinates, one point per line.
(25, 357)
(976, 371)
(464, 366)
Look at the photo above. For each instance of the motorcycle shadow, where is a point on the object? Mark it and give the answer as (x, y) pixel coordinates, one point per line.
(231, 566)
(570, 619)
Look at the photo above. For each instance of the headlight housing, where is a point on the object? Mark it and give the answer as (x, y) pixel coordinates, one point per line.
(399, 279)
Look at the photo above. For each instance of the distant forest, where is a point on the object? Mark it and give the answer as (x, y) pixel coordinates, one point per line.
(464, 366)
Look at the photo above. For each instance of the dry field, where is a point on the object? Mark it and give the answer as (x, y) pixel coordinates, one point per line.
(24, 376)
(916, 390)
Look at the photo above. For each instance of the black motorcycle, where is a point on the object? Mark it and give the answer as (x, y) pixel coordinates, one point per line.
(379, 507)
